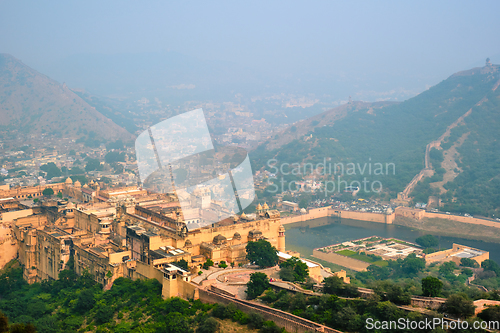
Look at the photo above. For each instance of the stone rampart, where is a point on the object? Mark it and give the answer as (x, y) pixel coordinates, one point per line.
(366, 216)
(318, 217)
(463, 219)
(284, 319)
(427, 302)
(314, 213)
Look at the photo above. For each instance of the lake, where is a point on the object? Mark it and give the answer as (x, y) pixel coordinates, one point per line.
(304, 240)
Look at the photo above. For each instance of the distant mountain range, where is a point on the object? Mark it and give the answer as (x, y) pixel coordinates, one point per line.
(460, 116)
(33, 104)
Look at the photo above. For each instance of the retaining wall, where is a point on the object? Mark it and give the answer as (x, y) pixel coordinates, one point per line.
(318, 217)
(463, 219)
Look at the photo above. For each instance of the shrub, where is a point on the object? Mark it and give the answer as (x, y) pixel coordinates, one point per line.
(255, 320)
(210, 325)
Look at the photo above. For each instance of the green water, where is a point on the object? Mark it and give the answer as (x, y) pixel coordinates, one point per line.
(304, 240)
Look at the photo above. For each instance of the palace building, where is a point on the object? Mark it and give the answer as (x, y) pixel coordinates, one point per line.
(126, 232)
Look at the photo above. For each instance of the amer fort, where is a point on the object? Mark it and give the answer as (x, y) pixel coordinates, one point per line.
(133, 233)
(124, 232)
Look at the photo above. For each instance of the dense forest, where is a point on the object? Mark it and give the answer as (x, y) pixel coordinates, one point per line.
(78, 304)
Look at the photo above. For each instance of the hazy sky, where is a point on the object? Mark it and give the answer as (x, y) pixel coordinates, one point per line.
(423, 39)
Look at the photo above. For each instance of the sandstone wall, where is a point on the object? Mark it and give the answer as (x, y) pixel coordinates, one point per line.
(12, 215)
(314, 213)
(463, 219)
(283, 319)
(366, 216)
(318, 217)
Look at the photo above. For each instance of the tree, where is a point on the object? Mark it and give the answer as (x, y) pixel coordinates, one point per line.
(59, 195)
(447, 268)
(349, 320)
(490, 265)
(67, 278)
(222, 264)
(332, 285)
(262, 253)
(286, 274)
(459, 305)
(51, 169)
(4, 323)
(208, 263)
(335, 286)
(412, 265)
(118, 144)
(117, 167)
(257, 285)
(211, 325)
(270, 327)
(76, 171)
(299, 269)
(491, 313)
(431, 286)
(468, 262)
(298, 302)
(114, 156)
(103, 313)
(269, 296)
(92, 165)
(48, 192)
(182, 264)
(397, 295)
(85, 301)
(22, 328)
(303, 203)
(255, 320)
(467, 272)
(427, 241)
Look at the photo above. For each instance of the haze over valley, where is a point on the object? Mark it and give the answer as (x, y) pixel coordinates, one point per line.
(263, 167)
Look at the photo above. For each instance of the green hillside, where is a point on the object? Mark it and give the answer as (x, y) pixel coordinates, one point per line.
(476, 190)
(78, 304)
(399, 134)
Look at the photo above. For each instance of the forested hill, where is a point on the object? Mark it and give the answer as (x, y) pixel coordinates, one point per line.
(399, 133)
(468, 165)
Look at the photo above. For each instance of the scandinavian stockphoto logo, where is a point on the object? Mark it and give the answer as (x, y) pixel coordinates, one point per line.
(178, 156)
